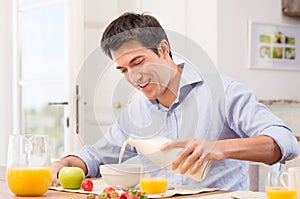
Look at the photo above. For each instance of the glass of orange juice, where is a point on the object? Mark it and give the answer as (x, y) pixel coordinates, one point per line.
(276, 190)
(154, 180)
(28, 165)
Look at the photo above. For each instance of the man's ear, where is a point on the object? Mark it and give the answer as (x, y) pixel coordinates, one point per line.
(163, 48)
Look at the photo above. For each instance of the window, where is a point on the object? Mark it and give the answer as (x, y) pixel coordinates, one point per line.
(42, 69)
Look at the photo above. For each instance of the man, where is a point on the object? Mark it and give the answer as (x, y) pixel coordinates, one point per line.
(177, 103)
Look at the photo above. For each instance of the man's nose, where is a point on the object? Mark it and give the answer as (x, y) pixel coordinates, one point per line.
(134, 76)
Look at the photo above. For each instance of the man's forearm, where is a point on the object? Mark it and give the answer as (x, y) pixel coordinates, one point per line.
(259, 148)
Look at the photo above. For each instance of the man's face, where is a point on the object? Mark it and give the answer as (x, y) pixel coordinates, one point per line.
(144, 69)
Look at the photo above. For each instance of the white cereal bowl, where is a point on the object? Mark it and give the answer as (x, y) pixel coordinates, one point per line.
(121, 176)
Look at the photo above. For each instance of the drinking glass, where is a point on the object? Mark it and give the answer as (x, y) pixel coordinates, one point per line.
(276, 190)
(28, 165)
(154, 180)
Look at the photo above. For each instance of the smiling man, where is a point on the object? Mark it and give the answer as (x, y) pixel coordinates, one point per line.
(177, 103)
(155, 75)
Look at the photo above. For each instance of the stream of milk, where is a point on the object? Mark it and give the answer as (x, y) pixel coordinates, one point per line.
(122, 151)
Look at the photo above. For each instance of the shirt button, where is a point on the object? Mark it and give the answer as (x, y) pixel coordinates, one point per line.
(170, 112)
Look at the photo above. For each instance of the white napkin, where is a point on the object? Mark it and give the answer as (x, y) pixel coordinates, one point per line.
(99, 185)
(181, 190)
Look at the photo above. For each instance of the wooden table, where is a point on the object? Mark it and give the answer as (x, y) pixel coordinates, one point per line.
(5, 193)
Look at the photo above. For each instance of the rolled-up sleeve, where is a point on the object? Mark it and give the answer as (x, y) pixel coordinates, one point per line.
(89, 160)
(247, 118)
(286, 141)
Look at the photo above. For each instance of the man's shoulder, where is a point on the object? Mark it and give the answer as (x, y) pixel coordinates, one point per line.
(230, 83)
(227, 80)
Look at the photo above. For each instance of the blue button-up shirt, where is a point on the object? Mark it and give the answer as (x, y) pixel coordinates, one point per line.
(207, 107)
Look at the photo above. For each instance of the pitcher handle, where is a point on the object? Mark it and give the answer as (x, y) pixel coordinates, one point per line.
(282, 179)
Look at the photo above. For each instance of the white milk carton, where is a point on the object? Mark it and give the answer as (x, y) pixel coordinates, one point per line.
(150, 148)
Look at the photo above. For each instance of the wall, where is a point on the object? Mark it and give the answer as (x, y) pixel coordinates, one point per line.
(193, 18)
(233, 16)
(202, 25)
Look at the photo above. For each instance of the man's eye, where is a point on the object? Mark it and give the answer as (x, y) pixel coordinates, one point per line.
(123, 70)
(138, 62)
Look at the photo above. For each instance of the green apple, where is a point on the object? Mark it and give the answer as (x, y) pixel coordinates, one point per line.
(71, 177)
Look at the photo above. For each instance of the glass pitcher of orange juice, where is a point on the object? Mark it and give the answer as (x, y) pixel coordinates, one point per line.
(28, 165)
(275, 189)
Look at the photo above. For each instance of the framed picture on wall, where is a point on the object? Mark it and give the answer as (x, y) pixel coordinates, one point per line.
(273, 46)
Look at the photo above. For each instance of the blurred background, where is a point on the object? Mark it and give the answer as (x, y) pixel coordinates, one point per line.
(44, 43)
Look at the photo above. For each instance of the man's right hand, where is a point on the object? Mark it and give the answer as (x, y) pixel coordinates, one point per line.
(56, 167)
(69, 161)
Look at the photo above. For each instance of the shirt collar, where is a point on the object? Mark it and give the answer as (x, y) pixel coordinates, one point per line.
(189, 75)
(189, 78)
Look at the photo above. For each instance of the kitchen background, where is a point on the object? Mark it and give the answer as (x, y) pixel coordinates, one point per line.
(220, 27)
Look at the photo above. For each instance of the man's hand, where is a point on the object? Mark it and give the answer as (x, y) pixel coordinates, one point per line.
(70, 161)
(56, 167)
(195, 153)
(258, 148)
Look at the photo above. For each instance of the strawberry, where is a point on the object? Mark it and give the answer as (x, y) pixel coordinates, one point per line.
(87, 185)
(132, 197)
(109, 189)
(124, 195)
(110, 193)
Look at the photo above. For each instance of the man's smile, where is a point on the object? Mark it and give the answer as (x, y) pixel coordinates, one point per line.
(144, 84)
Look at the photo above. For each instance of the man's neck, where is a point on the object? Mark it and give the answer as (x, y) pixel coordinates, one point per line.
(170, 95)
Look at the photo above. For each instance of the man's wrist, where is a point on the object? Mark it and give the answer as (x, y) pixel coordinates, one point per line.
(68, 161)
